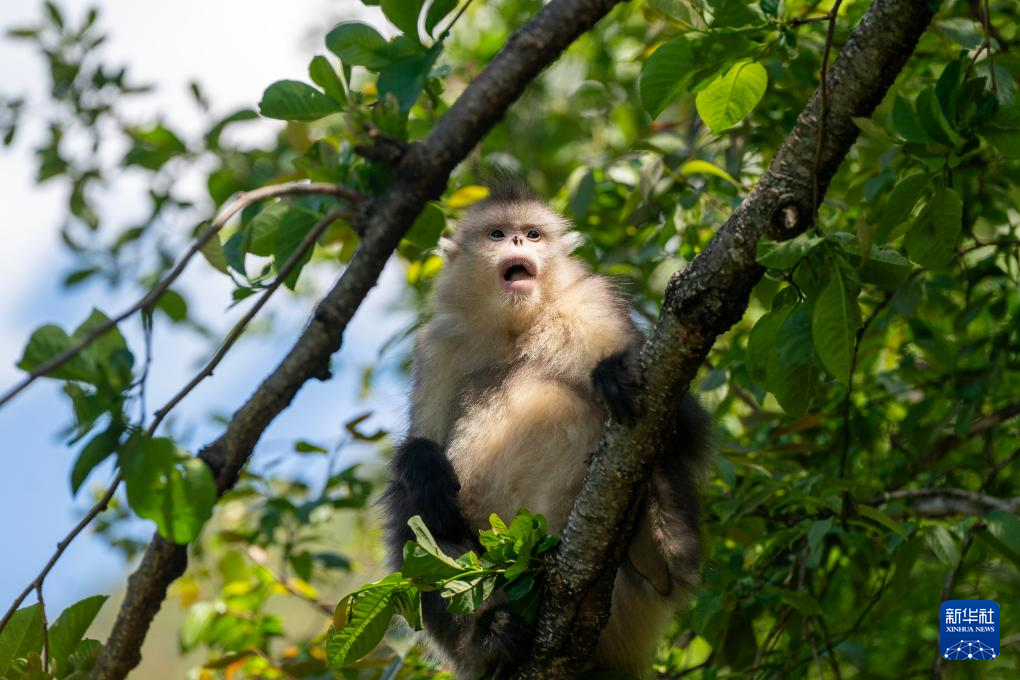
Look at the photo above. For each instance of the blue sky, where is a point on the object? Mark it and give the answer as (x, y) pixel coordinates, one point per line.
(235, 52)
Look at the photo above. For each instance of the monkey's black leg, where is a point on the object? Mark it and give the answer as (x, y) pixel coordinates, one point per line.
(674, 509)
(423, 482)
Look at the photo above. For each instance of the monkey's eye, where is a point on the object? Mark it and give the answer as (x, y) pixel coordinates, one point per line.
(533, 234)
(497, 234)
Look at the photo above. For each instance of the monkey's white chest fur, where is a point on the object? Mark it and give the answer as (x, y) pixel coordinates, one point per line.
(524, 444)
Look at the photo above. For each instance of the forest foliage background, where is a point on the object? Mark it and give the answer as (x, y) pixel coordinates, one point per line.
(866, 405)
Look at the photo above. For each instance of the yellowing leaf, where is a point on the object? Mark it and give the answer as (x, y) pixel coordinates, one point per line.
(465, 196)
(700, 167)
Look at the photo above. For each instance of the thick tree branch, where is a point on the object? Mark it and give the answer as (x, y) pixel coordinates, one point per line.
(702, 302)
(420, 175)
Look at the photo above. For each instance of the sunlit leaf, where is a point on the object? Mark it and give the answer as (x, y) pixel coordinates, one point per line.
(665, 74)
(294, 100)
(732, 95)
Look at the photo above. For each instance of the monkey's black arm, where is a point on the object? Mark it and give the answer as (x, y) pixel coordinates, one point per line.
(672, 509)
(615, 381)
(423, 482)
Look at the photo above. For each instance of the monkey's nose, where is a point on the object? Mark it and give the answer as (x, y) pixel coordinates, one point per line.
(517, 240)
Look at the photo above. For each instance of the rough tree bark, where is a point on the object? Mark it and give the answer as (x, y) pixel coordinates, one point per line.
(420, 175)
(702, 302)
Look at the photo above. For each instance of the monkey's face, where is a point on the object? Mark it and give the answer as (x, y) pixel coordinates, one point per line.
(517, 253)
(509, 250)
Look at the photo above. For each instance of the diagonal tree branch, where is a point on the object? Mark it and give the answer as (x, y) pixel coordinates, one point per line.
(421, 175)
(702, 302)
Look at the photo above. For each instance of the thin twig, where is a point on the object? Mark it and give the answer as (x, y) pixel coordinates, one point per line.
(288, 267)
(988, 244)
(983, 424)
(61, 547)
(456, 17)
(152, 297)
(45, 627)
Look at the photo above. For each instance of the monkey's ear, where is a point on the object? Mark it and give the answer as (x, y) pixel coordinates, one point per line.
(447, 249)
(572, 240)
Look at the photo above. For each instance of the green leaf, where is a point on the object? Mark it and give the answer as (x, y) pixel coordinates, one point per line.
(834, 325)
(583, 194)
(105, 361)
(946, 86)
(1005, 526)
(49, 341)
(263, 228)
(358, 44)
(83, 658)
(519, 587)
(168, 486)
(23, 634)
(152, 148)
(943, 544)
(404, 15)
(70, 627)
(1006, 142)
(423, 558)
(437, 11)
(294, 100)
(906, 122)
(884, 267)
(732, 95)
(931, 242)
(792, 372)
(901, 203)
(294, 226)
(468, 595)
(99, 448)
(213, 253)
(324, 75)
(196, 624)
(404, 78)
(934, 123)
(762, 339)
(817, 532)
(801, 601)
(876, 515)
(784, 254)
(665, 74)
(303, 446)
(427, 228)
(407, 603)
(363, 619)
(173, 305)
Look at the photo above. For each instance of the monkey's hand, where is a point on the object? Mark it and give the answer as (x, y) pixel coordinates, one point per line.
(504, 638)
(616, 382)
(428, 485)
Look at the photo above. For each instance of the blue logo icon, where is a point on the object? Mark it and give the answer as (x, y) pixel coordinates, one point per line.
(969, 630)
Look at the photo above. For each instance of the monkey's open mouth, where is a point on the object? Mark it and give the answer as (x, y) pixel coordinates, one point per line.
(518, 273)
